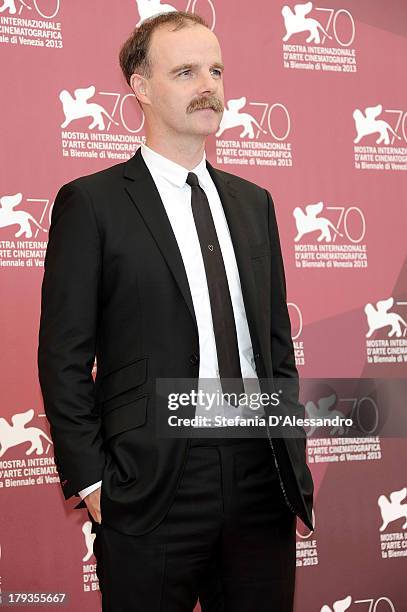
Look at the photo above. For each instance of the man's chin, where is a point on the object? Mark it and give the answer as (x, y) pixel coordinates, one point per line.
(210, 125)
(207, 132)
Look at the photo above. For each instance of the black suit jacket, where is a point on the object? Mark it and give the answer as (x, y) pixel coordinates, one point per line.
(115, 286)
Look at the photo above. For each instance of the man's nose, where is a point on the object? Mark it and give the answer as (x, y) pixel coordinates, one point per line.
(207, 83)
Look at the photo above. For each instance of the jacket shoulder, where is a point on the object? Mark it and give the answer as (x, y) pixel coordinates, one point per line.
(240, 183)
(98, 181)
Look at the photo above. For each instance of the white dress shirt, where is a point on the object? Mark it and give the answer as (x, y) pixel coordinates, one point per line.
(170, 179)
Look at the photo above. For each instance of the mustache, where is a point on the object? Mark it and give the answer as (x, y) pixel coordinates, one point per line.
(212, 102)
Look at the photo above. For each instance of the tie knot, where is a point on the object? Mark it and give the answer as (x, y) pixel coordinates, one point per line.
(192, 179)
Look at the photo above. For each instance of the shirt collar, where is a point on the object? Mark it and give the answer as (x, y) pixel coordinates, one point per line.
(170, 171)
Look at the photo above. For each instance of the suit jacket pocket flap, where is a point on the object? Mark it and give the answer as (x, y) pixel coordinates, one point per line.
(125, 378)
(127, 416)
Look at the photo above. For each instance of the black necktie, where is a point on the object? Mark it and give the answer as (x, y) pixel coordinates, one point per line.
(219, 295)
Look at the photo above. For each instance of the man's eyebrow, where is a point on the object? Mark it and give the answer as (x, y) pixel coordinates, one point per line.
(219, 65)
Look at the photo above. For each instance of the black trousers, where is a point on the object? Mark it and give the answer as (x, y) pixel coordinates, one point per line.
(228, 539)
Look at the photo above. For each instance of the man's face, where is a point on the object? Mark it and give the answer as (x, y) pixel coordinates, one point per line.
(187, 78)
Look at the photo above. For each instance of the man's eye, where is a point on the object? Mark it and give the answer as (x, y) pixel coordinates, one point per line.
(185, 72)
(218, 72)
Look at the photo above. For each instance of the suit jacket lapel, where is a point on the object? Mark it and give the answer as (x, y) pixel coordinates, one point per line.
(144, 194)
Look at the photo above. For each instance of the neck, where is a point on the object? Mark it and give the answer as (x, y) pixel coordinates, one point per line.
(185, 153)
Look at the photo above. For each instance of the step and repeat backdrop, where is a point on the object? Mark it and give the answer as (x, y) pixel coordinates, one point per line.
(316, 112)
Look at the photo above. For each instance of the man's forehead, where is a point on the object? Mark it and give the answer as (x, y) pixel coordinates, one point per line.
(187, 45)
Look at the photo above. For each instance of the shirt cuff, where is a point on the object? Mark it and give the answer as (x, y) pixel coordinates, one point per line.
(84, 492)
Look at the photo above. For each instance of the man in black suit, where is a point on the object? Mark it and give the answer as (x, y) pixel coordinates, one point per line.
(165, 267)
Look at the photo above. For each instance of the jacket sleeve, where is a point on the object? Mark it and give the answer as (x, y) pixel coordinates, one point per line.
(70, 299)
(282, 349)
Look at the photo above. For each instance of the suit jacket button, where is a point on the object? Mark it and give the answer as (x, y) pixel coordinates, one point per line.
(194, 359)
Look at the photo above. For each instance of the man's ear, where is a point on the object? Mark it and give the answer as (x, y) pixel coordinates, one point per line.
(138, 84)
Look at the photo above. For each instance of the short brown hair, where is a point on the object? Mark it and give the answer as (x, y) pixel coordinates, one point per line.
(134, 52)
